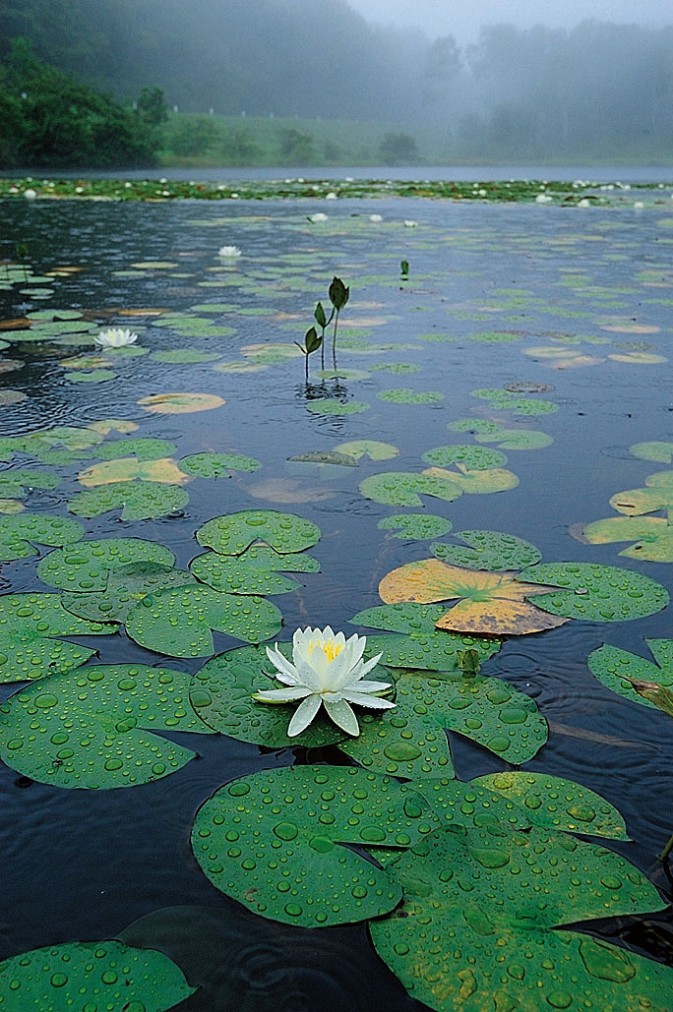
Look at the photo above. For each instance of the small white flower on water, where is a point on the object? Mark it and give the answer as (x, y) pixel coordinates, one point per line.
(410, 224)
(115, 337)
(229, 251)
(30, 194)
(331, 196)
(315, 218)
(638, 205)
(376, 217)
(584, 202)
(326, 670)
(543, 198)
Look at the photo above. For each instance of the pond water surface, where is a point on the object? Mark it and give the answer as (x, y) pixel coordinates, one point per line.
(569, 308)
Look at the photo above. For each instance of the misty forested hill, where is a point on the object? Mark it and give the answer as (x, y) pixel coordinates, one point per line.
(599, 92)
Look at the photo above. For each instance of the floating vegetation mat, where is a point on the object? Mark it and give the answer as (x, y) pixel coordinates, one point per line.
(336, 667)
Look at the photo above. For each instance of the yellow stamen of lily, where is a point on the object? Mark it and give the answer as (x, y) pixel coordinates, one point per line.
(329, 647)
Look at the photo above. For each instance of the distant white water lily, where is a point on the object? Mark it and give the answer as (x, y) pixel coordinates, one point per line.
(319, 216)
(115, 337)
(229, 251)
(409, 223)
(376, 217)
(326, 670)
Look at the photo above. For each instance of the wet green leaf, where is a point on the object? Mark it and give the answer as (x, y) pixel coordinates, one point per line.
(405, 488)
(93, 728)
(233, 533)
(257, 571)
(618, 669)
(472, 458)
(653, 536)
(371, 448)
(85, 566)
(125, 586)
(404, 395)
(217, 465)
(597, 593)
(289, 862)
(334, 406)
(488, 550)
(416, 526)
(137, 500)
(178, 621)
(19, 534)
(660, 451)
(84, 974)
(142, 448)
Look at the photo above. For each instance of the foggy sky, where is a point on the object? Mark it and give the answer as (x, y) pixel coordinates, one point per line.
(462, 18)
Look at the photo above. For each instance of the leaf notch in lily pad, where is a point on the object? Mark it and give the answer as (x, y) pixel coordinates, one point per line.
(233, 533)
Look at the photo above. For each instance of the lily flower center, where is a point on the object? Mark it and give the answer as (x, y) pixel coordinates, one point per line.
(330, 648)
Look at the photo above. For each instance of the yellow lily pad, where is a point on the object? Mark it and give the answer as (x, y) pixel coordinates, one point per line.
(108, 425)
(164, 470)
(180, 403)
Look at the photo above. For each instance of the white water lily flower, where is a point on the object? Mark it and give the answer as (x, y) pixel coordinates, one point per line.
(115, 337)
(319, 216)
(326, 670)
(229, 251)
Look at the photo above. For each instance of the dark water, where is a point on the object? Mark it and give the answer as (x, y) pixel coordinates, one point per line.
(79, 865)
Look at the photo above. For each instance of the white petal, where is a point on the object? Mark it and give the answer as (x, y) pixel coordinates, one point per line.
(281, 695)
(368, 665)
(364, 699)
(288, 670)
(369, 686)
(342, 715)
(304, 714)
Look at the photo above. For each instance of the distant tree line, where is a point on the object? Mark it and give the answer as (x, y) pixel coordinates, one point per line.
(598, 91)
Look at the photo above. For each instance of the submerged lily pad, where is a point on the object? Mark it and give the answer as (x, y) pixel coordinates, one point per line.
(489, 884)
(93, 728)
(597, 593)
(257, 571)
(29, 624)
(85, 975)
(233, 533)
(217, 465)
(290, 863)
(137, 500)
(86, 565)
(488, 550)
(178, 621)
(19, 534)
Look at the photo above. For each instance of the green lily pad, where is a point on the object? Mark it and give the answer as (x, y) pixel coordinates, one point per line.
(16, 483)
(93, 728)
(488, 550)
(258, 571)
(404, 395)
(125, 587)
(137, 500)
(496, 898)
(91, 376)
(19, 534)
(477, 482)
(617, 669)
(405, 488)
(288, 862)
(217, 465)
(90, 975)
(473, 458)
(476, 426)
(516, 439)
(142, 448)
(660, 451)
(653, 536)
(327, 457)
(333, 406)
(371, 448)
(635, 502)
(178, 621)
(28, 625)
(507, 401)
(233, 533)
(222, 695)
(596, 593)
(85, 566)
(416, 526)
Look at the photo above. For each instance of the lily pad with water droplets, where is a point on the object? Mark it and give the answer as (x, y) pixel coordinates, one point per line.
(16, 482)
(476, 482)
(416, 526)
(142, 448)
(91, 376)
(618, 669)
(137, 500)
(19, 534)
(496, 899)
(94, 728)
(652, 536)
(86, 566)
(472, 458)
(410, 740)
(217, 465)
(222, 694)
(124, 588)
(488, 550)
(405, 488)
(163, 470)
(597, 593)
(257, 571)
(233, 533)
(178, 621)
(29, 625)
(404, 395)
(516, 439)
(88, 975)
(506, 401)
(288, 861)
